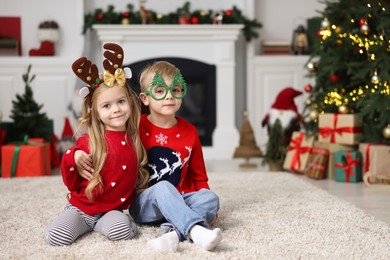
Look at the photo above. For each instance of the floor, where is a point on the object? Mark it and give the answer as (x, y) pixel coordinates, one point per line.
(375, 201)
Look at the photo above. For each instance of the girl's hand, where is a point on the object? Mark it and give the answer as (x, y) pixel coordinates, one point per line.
(84, 164)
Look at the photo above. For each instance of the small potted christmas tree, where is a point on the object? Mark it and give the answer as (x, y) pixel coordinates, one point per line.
(27, 116)
(276, 149)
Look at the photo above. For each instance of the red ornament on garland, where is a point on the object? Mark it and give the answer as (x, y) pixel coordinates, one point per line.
(184, 20)
(308, 88)
(334, 78)
(125, 14)
(229, 12)
(99, 16)
(195, 20)
(362, 21)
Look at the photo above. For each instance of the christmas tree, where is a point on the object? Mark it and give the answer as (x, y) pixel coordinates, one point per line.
(351, 66)
(26, 115)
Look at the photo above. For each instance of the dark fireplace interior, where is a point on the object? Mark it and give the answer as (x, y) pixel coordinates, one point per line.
(199, 105)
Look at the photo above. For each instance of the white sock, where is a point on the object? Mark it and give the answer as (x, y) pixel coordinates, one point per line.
(206, 238)
(166, 243)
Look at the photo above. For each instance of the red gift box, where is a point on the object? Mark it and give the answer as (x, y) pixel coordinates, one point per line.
(47, 155)
(29, 160)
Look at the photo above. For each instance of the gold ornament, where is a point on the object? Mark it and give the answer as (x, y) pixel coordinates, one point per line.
(312, 67)
(125, 21)
(375, 78)
(343, 109)
(325, 23)
(365, 29)
(313, 115)
(308, 101)
(386, 132)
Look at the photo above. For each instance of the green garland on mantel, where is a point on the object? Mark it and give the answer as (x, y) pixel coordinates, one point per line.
(182, 15)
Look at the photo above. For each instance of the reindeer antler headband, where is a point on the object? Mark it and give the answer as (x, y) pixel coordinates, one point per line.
(88, 72)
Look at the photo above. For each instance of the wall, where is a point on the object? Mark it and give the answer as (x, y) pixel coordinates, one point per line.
(68, 14)
(278, 23)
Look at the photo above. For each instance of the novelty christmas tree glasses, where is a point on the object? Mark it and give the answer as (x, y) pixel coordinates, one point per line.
(159, 89)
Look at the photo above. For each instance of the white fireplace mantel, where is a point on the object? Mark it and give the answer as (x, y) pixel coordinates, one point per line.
(168, 32)
(211, 44)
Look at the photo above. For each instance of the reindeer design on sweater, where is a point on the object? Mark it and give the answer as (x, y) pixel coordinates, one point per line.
(168, 168)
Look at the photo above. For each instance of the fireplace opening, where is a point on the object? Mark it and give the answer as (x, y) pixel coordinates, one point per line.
(199, 104)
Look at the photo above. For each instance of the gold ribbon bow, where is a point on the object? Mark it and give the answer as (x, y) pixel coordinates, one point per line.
(119, 77)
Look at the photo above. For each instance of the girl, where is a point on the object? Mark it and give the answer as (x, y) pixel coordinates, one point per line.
(110, 121)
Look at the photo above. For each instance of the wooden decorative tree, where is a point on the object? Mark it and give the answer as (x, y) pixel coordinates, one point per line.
(248, 147)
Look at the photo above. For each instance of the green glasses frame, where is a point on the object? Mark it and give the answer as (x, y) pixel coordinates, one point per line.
(158, 81)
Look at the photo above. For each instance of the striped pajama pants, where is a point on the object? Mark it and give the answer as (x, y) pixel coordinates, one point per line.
(73, 223)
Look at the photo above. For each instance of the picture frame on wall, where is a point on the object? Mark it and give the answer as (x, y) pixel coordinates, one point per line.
(10, 36)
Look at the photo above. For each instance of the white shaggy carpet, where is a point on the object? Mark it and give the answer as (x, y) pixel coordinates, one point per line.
(263, 215)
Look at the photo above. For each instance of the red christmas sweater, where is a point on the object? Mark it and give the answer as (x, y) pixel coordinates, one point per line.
(174, 154)
(119, 175)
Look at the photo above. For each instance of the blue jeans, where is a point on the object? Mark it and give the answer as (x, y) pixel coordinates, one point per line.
(162, 202)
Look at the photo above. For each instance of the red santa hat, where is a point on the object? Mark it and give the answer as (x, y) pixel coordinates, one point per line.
(67, 131)
(285, 101)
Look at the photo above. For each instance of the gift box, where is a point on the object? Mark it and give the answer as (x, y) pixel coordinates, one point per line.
(340, 128)
(377, 164)
(332, 148)
(298, 152)
(2, 139)
(348, 166)
(22, 160)
(47, 152)
(366, 150)
(317, 163)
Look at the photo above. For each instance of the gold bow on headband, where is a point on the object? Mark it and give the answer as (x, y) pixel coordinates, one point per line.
(119, 77)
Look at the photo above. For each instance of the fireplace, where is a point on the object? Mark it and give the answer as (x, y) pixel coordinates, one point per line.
(212, 45)
(198, 105)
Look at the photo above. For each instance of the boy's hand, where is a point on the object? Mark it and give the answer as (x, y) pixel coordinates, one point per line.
(84, 164)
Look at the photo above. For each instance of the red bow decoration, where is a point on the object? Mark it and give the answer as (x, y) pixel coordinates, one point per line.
(325, 131)
(295, 164)
(348, 165)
